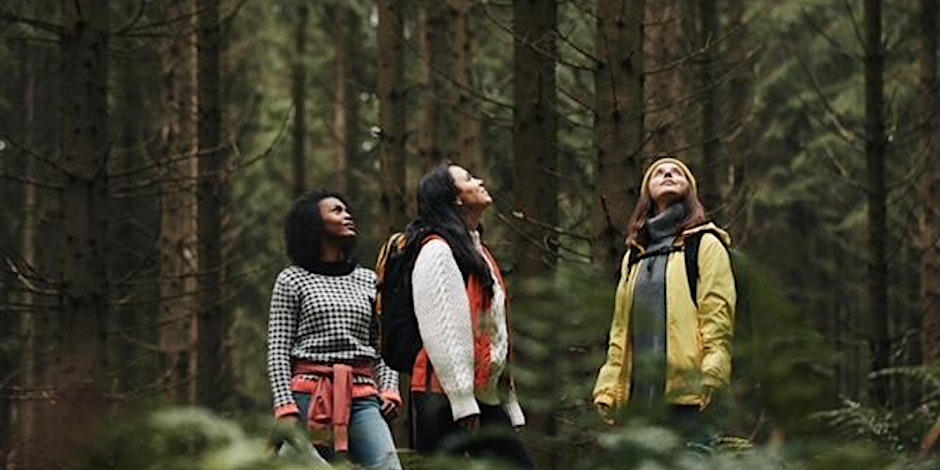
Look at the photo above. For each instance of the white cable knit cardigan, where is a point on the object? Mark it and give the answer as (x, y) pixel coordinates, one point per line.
(442, 307)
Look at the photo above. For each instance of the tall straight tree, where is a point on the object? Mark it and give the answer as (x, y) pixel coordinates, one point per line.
(391, 94)
(535, 133)
(709, 117)
(79, 361)
(929, 190)
(739, 98)
(299, 79)
(345, 29)
(618, 124)
(210, 194)
(178, 168)
(438, 124)
(875, 151)
(470, 120)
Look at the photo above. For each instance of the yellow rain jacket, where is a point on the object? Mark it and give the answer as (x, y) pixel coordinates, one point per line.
(698, 344)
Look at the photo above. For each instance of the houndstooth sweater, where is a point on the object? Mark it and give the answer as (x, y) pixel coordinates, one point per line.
(326, 319)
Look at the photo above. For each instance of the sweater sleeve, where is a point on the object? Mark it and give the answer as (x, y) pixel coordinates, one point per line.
(442, 308)
(282, 326)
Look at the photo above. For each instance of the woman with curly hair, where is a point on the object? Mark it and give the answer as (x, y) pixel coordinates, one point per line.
(323, 365)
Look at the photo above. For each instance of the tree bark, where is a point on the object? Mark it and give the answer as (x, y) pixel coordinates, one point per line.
(929, 185)
(535, 134)
(391, 91)
(618, 125)
(438, 123)
(79, 363)
(178, 204)
(710, 119)
(344, 97)
(210, 194)
(300, 100)
(470, 119)
(875, 149)
(739, 106)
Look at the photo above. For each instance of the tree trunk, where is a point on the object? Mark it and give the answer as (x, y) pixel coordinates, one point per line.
(929, 185)
(438, 123)
(79, 362)
(178, 260)
(469, 117)
(618, 125)
(739, 106)
(875, 149)
(25, 422)
(344, 97)
(300, 100)
(391, 91)
(710, 119)
(666, 47)
(210, 194)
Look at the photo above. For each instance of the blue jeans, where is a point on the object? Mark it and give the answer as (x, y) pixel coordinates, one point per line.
(370, 441)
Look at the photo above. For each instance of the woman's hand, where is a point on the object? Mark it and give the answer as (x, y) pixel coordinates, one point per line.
(605, 412)
(469, 423)
(389, 409)
(288, 420)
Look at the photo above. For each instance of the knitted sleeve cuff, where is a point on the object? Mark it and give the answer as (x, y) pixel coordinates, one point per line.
(288, 409)
(463, 405)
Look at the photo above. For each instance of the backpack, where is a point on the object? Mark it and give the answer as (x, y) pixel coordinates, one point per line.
(690, 248)
(399, 338)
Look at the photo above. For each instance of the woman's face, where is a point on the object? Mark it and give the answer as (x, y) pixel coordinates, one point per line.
(337, 221)
(668, 185)
(470, 191)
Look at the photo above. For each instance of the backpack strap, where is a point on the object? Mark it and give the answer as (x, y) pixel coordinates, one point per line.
(692, 243)
(664, 251)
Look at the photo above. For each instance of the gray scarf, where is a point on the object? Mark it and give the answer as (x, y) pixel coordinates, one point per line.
(649, 310)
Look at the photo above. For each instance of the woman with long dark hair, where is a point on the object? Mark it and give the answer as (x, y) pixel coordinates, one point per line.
(323, 365)
(461, 382)
(669, 352)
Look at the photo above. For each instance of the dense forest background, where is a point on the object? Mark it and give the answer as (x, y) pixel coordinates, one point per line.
(150, 148)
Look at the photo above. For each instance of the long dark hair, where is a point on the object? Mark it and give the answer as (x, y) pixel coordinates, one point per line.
(303, 229)
(438, 214)
(645, 209)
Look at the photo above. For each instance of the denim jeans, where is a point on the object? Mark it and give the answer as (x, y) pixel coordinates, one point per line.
(370, 441)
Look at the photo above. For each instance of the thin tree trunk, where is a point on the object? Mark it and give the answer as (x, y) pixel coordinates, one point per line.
(300, 99)
(25, 416)
(710, 120)
(79, 363)
(666, 49)
(739, 106)
(391, 91)
(343, 95)
(438, 123)
(875, 150)
(618, 124)
(210, 194)
(929, 185)
(470, 119)
(178, 260)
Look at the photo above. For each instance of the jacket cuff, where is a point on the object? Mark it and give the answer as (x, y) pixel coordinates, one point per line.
(604, 398)
(463, 405)
(391, 395)
(288, 409)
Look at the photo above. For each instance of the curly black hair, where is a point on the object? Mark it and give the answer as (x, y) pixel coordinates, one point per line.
(303, 228)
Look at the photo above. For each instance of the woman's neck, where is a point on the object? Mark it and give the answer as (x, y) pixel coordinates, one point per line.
(330, 253)
(472, 219)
